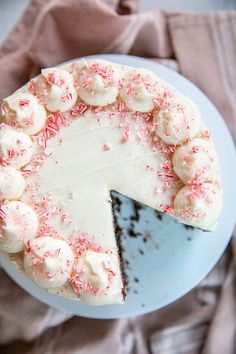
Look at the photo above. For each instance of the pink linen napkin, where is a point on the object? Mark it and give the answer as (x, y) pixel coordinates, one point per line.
(203, 48)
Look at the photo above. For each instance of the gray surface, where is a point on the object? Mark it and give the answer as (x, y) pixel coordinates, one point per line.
(11, 10)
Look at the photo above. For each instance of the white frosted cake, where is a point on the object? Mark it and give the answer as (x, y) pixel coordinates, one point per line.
(70, 137)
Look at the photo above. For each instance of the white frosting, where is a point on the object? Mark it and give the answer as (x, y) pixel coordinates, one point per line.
(56, 88)
(196, 161)
(178, 121)
(199, 206)
(49, 262)
(84, 192)
(19, 225)
(12, 183)
(15, 146)
(23, 110)
(139, 90)
(94, 279)
(97, 83)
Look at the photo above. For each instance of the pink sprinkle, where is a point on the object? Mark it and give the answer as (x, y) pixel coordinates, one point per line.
(166, 165)
(156, 102)
(195, 181)
(32, 86)
(38, 262)
(195, 149)
(87, 83)
(4, 110)
(168, 209)
(66, 218)
(51, 78)
(74, 112)
(168, 175)
(172, 148)
(57, 119)
(52, 129)
(82, 107)
(121, 106)
(107, 146)
(24, 102)
(27, 170)
(2, 214)
(125, 136)
(11, 153)
(28, 246)
(4, 161)
(99, 109)
(58, 251)
(67, 97)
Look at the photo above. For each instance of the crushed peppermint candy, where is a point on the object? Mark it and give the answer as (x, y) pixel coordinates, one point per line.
(24, 102)
(125, 136)
(4, 110)
(2, 214)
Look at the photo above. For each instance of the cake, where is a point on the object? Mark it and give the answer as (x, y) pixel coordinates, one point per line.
(68, 139)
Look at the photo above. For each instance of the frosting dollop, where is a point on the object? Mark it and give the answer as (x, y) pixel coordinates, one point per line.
(196, 162)
(178, 120)
(97, 83)
(12, 183)
(18, 224)
(15, 147)
(139, 90)
(56, 88)
(23, 110)
(93, 277)
(199, 206)
(49, 262)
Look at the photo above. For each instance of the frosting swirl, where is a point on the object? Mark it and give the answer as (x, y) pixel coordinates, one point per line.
(196, 162)
(199, 206)
(139, 90)
(12, 183)
(93, 276)
(97, 83)
(15, 147)
(56, 89)
(49, 262)
(178, 120)
(19, 223)
(23, 110)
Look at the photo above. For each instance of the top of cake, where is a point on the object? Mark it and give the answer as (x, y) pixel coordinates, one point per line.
(73, 135)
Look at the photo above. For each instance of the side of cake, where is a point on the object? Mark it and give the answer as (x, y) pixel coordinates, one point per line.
(70, 137)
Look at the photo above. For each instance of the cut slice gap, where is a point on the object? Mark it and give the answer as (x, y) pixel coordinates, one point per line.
(133, 217)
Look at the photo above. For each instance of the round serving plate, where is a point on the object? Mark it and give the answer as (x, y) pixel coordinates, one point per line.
(165, 260)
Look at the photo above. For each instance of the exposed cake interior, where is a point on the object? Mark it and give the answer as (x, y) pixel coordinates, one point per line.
(73, 135)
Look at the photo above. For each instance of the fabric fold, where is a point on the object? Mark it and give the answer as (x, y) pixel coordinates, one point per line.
(203, 48)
